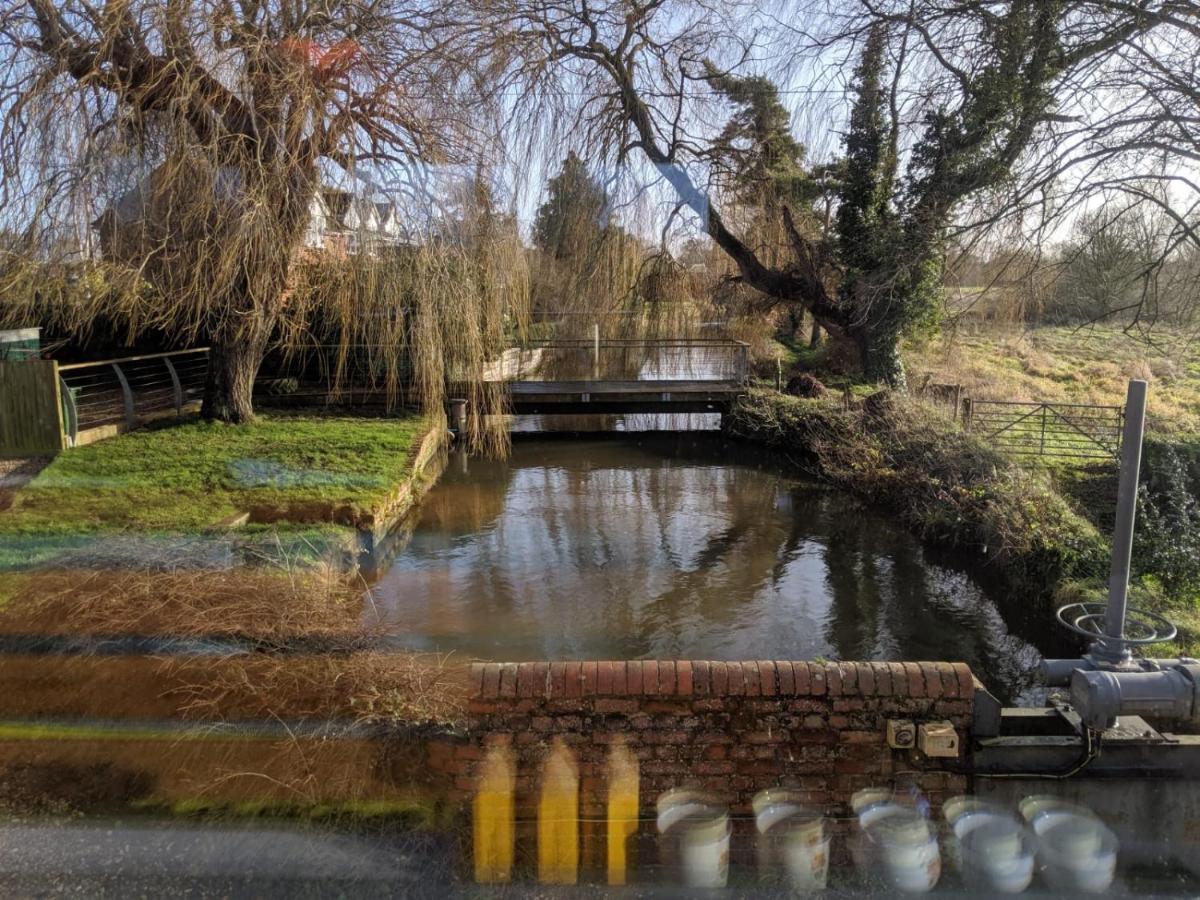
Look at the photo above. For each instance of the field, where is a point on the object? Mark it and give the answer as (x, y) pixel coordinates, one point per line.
(1069, 365)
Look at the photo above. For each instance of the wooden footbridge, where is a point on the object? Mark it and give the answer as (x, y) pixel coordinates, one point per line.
(673, 375)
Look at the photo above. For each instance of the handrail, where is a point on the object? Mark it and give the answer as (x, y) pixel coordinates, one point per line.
(127, 359)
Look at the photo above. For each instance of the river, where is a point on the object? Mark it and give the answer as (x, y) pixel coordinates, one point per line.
(643, 545)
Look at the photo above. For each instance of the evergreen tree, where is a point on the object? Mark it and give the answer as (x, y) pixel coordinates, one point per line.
(575, 215)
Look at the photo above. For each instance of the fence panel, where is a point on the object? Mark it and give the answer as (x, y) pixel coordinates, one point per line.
(1067, 430)
(31, 419)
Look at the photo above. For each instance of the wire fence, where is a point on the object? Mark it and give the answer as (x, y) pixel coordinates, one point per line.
(1065, 430)
(129, 391)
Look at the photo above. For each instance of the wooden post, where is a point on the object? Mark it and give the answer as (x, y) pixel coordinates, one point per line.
(967, 410)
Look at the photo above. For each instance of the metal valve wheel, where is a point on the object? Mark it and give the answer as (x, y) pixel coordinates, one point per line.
(1141, 625)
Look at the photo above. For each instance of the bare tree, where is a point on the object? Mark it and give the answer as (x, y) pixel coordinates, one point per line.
(196, 133)
(952, 102)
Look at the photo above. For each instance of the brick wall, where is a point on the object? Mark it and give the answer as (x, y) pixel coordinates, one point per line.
(731, 728)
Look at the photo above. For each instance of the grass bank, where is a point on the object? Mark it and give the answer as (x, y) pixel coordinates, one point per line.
(947, 486)
(309, 476)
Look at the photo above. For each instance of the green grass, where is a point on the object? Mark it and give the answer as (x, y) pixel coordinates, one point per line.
(186, 478)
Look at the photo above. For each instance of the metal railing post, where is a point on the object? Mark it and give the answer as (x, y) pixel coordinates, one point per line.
(596, 350)
(176, 386)
(126, 394)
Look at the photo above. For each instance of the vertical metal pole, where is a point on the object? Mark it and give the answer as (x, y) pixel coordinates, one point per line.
(1042, 442)
(1131, 461)
(596, 350)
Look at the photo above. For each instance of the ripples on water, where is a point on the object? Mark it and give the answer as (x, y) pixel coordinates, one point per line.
(685, 546)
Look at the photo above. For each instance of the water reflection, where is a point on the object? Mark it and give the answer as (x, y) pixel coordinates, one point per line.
(658, 546)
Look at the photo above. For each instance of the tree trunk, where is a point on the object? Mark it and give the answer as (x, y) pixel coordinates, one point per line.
(229, 386)
(814, 340)
(879, 355)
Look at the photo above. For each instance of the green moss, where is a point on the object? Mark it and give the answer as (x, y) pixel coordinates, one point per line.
(189, 477)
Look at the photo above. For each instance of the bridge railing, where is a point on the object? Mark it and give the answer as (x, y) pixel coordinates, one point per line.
(617, 359)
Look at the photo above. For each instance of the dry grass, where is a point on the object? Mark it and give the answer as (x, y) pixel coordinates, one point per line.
(1067, 365)
(364, 688)
(264, 603)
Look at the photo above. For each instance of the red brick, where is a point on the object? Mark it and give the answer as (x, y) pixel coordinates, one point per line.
(883, 678)
(803, 673)
(589, 678)
(541, 678)
(933, 680)
(816, 672)
(508, 679)
(702, 677)
(849, 678)
(861, 737)
(720, 679)
(633, 675)
(624, 706)
(737, 679)
(483, 707)
(768, 682)
(650, 676)
(525, 687)
(751, 676)
(491, 681)
(574, 683)
(899, 679)
(787, 678)
(866, 680)
(666, 677)
(620, 685)
(949, 680)
(604, 678)
(476, 682)
(833, 679)
(916, 681)
(966, 682)
(684, 679)
(558, 679)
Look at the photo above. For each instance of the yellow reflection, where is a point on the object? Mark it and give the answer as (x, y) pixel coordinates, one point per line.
(494, 816)
(622, 809)
(558, 818)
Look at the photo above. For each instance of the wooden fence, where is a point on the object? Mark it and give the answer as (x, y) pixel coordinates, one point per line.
(31, 419)
(1066, 430)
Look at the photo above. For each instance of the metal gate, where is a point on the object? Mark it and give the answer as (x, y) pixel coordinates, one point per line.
(1072, 430)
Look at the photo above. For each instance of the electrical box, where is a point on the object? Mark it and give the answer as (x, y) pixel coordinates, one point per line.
(901, 734)
(937, 739)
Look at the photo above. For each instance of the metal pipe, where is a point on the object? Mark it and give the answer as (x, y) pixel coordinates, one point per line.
(1118, 578)
(596, 350)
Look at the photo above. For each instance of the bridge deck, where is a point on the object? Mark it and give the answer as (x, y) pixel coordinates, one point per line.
(622, 396)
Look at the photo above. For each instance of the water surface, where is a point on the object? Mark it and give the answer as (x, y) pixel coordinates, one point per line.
(667, 546)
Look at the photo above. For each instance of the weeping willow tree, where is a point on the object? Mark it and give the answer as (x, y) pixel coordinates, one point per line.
(183, 143)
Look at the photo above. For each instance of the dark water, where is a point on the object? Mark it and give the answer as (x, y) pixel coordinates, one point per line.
(678, 546)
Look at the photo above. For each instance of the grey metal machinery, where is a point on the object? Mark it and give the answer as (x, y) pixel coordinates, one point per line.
(1109, 681)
